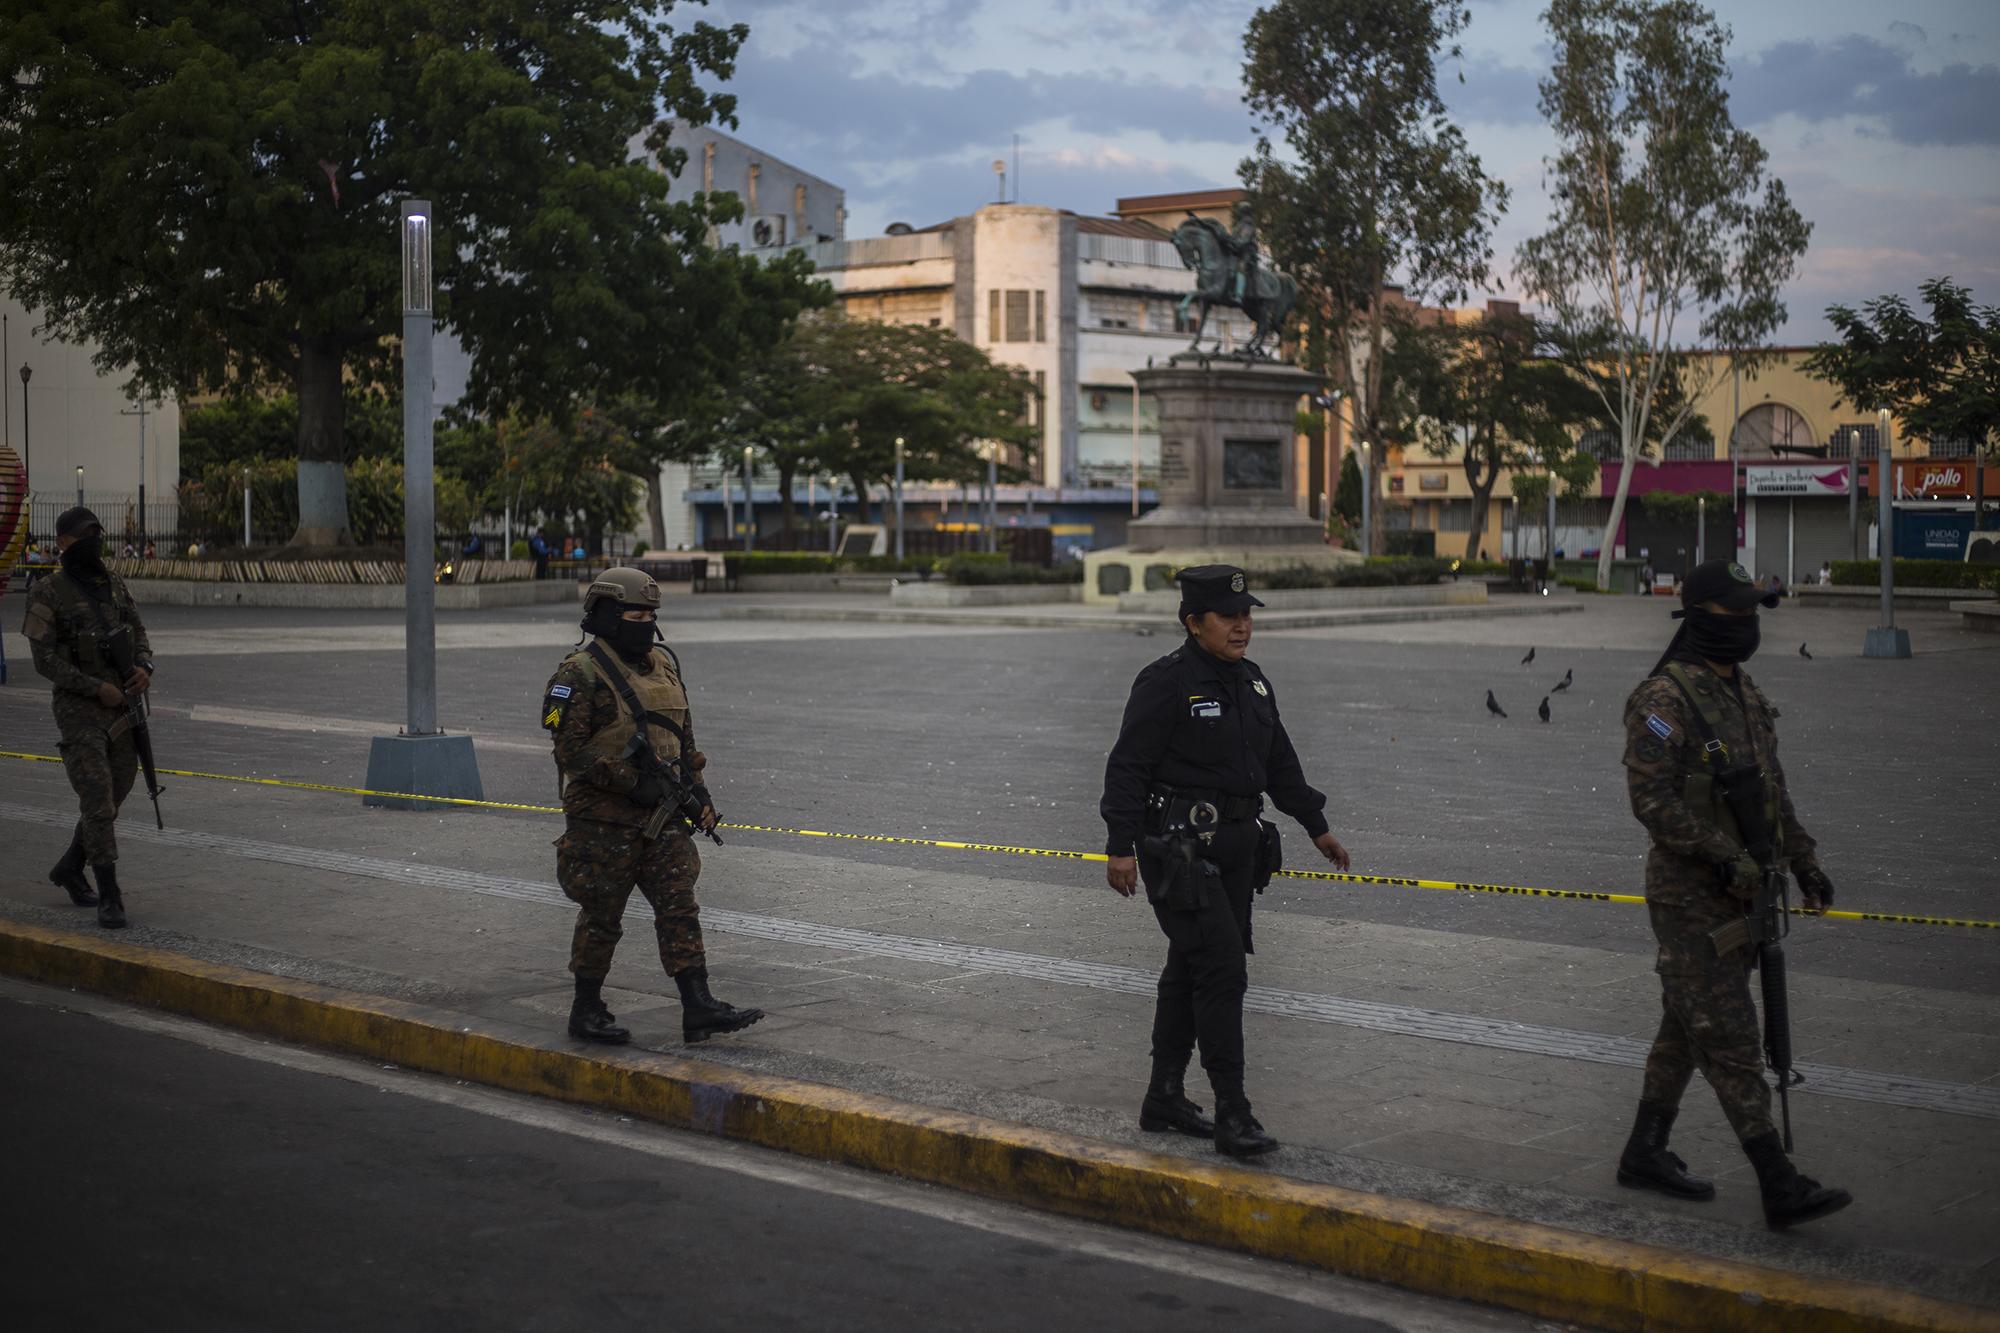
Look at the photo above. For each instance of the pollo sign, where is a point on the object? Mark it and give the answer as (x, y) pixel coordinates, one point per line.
(1932, 481)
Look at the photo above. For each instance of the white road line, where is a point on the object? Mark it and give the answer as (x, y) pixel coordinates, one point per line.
(1982, 1101)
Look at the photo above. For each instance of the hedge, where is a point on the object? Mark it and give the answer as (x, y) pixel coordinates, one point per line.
(1917, 574)
(986, 569)
(1379, 572)
(810, 562)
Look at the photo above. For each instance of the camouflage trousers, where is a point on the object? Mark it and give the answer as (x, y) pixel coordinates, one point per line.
(101, 771)
(598, 866)
(1709, 1023)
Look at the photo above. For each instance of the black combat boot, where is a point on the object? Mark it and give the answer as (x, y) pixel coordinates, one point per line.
(702, 1015)
(590, 1020)
(1646, 1163)
(110, 902)
(1237, 1133)
(67, 874)
(1167, 1106)
(1789, 1198)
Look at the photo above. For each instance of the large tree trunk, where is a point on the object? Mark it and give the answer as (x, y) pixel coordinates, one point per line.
(1631, 457)
(1480, 478)
(322, 447)
(656, 509)
(866, 510)
(786, 472)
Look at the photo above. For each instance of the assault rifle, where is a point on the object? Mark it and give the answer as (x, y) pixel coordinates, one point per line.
(117, 645)
(1764, 925)
(683, 799)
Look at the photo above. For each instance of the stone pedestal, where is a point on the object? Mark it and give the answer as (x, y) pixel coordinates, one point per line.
(1228, 479)
(435, 765)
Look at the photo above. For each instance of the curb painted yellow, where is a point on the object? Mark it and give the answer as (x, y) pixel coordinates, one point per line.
(1423, 1247)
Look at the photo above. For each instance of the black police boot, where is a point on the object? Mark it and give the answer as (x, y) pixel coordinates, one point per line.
(1167, 1106)
(590, 1020)
(1237, 1133)
(110, 902)
(1646, 1163)
(67, 874)
(1789, 1198)
(702, 1015)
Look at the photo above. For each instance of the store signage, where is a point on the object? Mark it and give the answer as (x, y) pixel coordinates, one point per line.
(1931, 481)
(1794, 479)
(1433, 481)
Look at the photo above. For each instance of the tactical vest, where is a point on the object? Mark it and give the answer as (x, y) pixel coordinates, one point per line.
(1701, 791)
(74, 601)
(659, 693)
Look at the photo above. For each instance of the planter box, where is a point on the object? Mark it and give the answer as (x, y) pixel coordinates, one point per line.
(984, 594)
(1471, 593)
(1979, 615)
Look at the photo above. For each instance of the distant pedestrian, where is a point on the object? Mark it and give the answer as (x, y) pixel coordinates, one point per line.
(1826, 574)
(89, 642)
(474, 547)
(1200, 743)
(630, 813)
(538, 547)
(1694, 730)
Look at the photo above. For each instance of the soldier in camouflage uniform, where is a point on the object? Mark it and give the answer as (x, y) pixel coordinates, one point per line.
(72, 615)
(1697, 713)
(608, 802)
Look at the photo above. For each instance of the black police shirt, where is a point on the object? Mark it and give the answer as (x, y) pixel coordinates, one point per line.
(1194, 721)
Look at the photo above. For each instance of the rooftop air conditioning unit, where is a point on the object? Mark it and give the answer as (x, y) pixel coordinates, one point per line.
(767, 230)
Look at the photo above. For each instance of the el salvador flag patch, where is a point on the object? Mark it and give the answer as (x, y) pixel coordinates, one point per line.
(1658, 727)
(558, 691)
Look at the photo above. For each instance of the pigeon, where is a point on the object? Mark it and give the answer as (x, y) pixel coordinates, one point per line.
(1543, 711)
(1803, 653)
(1529, 658)
(1569, 678)
(1493, 705)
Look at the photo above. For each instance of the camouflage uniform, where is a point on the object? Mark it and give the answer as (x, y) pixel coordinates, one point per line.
(603, 853)
(1710, 1021)
(65, 624)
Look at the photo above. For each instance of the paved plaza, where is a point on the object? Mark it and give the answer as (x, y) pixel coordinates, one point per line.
(1471, 1048)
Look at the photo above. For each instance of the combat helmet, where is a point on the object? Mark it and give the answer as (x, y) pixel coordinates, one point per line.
(624, 585)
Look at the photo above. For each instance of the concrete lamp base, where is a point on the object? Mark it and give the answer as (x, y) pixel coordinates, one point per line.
(1886, 641)
(423, 766)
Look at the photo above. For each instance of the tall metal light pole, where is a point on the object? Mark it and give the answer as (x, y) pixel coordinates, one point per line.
(140, 412)
(1367, 501)
(79, 485)
(1885, 640)
(899, 497)
(421, 760)
(27, 440)
(749, 504)
(993, 497)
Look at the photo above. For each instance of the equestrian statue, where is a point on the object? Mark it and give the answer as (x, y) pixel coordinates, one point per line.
(1228, 273)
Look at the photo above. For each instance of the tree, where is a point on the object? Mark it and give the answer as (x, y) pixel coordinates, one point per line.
(553, 472)
(1379, 185)
(1939, 378)
(1494, 392)
(210, 192)
(1663, 216)
(242, 427)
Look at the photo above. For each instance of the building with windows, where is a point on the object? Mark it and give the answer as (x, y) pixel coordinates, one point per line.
(1785, 467)
(1077, 302)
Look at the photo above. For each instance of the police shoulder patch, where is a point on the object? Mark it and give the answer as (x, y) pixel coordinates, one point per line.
(1659, 726)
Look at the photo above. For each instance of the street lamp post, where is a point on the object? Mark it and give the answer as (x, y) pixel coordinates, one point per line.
(749, 505)
(421, 760)
(899, 497)
(246, 509)
(1367, 501)
(27, 442)
(79, 485)
(993, 497)
(1885, 640)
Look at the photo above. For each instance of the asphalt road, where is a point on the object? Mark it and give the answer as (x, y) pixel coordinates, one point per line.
(999, 736)
(163, 1174)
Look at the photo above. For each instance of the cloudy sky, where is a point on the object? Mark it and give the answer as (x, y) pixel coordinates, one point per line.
(1882, 120)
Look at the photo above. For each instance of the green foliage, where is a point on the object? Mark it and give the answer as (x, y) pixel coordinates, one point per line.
(980, 569)
(1359, 178)
(211, 506)
(239, 428)
(1347, 496)
(807, 562)
(1378, 572)
(1917, 574)
(1939, 378)
(1666, 231)
(562, 476)
(210, 194)
(1674, 508)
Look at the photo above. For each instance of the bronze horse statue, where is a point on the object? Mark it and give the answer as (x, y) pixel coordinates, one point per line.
(1212, 253)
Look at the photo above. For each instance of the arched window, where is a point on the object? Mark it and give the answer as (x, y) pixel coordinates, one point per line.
(1770, 430)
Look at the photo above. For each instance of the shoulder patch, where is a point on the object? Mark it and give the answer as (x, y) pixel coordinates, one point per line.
(552, 719)
(1261, 688)
(40, 622)
(559, 691)
(1651, 750)
(1659, 726)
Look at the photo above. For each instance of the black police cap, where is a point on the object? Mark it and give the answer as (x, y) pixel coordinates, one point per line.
(1727, 582)
(75, 522)
(1221, 588)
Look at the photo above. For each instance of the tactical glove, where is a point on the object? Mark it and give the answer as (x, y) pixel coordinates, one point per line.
(1742, 877)
(1815, 888)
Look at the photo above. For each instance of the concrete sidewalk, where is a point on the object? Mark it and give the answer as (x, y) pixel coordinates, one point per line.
(1485, 1074)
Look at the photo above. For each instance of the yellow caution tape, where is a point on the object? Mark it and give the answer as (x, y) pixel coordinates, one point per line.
(1005, 849)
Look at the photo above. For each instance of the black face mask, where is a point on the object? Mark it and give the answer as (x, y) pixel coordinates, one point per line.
(1725, 639)
(632, 639)
(85, 557)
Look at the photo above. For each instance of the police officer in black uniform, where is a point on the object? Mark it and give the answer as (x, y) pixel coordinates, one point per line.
(1200, 744)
